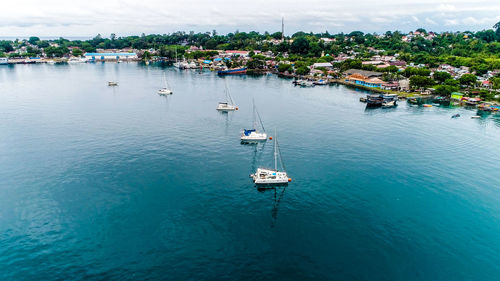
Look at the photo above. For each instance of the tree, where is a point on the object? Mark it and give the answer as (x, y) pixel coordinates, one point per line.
(87, 47)
(452, 82)
(56, 51)
(33, 40)
(211, 44)
(284, 67)
(302, 70)
(300, 46)
(445, 90)
(468, 79)
(497, 27)
(255, 64)
(495, 82)
(441, 76)
(418, 81)
(77, 52)
(5, 46)
(146, 56)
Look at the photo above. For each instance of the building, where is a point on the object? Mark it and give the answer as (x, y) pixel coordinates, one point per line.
(362, 80)
(110, 56)
(366, 73)
(456, 96)
(325, 65)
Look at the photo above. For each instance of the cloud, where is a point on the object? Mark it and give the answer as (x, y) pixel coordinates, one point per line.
(126, 17)
(430, 21)
(451, 22)
(446, 8)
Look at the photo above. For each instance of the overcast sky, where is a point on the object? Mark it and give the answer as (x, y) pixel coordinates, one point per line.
(133, 17)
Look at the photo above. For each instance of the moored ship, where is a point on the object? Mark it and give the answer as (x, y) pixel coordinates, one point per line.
(242, 70)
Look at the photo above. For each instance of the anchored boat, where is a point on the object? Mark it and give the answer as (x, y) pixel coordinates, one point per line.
(165, 90)
(374, 100)
(390, 100)
(228, 105)
(264, 177)
(252, 135)
(242, 70)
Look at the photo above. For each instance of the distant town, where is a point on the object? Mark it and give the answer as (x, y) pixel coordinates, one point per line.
(420, 61)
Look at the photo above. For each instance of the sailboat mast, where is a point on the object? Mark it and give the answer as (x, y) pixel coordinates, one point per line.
(275, 151)
(254, 117)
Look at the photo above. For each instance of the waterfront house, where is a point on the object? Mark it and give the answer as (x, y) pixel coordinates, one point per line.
(363, 80)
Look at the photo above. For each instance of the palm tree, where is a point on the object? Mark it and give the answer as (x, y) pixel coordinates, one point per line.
(497, 27)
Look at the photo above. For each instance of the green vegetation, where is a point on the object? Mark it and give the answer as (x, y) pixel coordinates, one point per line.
(477, 52)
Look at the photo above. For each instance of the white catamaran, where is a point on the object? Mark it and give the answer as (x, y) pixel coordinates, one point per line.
(269, 177)
(229, 104)
(165, 90)
(252, 135)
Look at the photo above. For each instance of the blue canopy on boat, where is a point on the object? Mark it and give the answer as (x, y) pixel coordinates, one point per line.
(227, 58)
(248, 132)
(207, 61)
(217, 59)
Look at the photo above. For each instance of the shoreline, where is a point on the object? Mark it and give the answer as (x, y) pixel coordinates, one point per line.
(330, 81)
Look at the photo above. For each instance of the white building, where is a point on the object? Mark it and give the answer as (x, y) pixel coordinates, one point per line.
(110, 56)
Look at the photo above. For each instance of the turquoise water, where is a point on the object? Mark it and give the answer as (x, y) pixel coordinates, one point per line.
(118, 183)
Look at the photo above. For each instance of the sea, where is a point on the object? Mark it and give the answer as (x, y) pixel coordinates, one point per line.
(120, 183)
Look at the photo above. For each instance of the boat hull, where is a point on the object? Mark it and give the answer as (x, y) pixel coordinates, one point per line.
(265, 177)
(253, 137)
(164, 92)
(233, 71)
(226, 109)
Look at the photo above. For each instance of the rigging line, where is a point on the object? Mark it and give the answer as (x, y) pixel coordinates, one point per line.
(281, 159)
(274, 212)
(260, 119)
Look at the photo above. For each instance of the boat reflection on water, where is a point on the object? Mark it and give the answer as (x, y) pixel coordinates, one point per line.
(278, 194)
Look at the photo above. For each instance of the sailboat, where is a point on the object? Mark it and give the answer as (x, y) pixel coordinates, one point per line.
(165, 90)
(229, 104)
(270, 177)
(252, 135)
(176, 63)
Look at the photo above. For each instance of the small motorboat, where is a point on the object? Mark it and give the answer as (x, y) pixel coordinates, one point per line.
(306, 83)
(374, 100)
(362, 99)
(388, 104)
(112, 83)
(455, 116)
(427, 105)
(475, 117)
(320, 82)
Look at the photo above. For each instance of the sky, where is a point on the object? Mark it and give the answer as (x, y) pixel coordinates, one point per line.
(74, 18)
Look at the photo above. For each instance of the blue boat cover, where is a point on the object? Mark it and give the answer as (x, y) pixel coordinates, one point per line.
(248, 132)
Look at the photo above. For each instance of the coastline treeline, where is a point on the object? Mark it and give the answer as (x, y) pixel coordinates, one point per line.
(479, 50)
